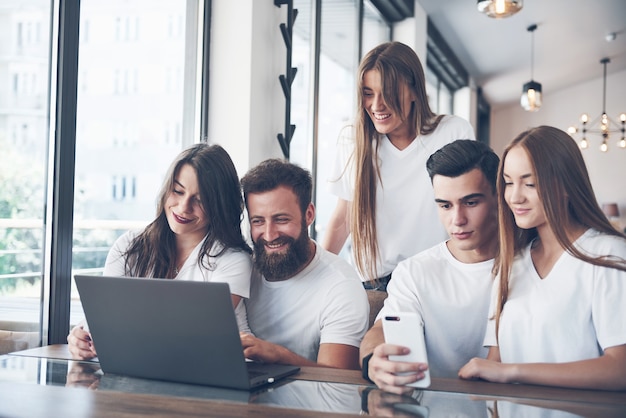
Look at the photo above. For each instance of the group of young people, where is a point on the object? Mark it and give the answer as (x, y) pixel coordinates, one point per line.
(511, 265)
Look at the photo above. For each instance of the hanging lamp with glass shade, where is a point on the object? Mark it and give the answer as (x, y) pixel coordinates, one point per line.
(531, 93)
(499, 8)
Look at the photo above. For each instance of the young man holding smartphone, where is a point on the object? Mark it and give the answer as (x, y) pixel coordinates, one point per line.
(448, 285)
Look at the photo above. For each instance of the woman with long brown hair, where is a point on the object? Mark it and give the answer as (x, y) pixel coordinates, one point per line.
(560, 295)
(196, 234)
(385, 199)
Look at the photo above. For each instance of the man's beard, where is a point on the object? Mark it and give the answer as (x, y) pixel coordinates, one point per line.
(281, 266)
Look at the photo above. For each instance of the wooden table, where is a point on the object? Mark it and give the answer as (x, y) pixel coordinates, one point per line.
(28, 400)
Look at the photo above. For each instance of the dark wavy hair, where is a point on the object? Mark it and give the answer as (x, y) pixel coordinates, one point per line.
(153, 252)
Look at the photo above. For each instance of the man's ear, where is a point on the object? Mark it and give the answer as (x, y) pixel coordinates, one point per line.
(309, 214)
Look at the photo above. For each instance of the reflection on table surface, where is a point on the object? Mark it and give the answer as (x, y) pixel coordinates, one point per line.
(297, 394)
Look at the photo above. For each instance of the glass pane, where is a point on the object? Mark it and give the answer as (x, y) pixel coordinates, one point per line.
(24, 63)
(133, 75)
(338, 65)
(301, 150)
(432, 83)
(375, 29)
(445, 100)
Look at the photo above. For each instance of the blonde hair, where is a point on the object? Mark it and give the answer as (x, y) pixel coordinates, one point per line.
(398, 65)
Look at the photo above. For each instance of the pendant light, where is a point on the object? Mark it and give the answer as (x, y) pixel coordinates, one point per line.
(602, 124)
(499, 8)
(531, 94)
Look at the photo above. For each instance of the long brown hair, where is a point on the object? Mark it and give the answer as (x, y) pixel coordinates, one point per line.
(397, 65)
(153, 252)
(565, 191)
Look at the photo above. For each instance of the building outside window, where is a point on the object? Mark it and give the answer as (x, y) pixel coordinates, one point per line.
(131, 97)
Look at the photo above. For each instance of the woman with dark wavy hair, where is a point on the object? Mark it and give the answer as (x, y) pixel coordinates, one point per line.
(196, 234)
(560, 295)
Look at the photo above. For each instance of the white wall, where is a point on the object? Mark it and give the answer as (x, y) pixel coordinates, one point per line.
(246, 103)
(563, 109)
(413, 32)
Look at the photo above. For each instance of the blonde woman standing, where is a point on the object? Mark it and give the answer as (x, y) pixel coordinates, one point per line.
(380, 179)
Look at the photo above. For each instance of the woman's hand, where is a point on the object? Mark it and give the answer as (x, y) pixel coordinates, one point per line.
(80, 345)
(493, 371)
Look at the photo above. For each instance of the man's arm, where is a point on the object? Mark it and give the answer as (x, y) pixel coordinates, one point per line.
(340, 356)
(383, 371)
(371, 340)
(260, 350)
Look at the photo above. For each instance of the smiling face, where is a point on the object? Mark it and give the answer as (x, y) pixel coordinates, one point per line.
(520, 191)
(183, 207)
(385, 120)
(468, 210)
(282, 246)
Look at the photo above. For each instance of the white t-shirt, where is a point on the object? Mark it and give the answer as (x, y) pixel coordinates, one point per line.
(451, 298)
(573, 313)
(406, 217)
(232, 267)
(324, 303)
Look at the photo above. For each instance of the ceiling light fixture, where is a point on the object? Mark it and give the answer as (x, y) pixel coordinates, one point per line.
(531, 93)
(499, 8)
(603, 124)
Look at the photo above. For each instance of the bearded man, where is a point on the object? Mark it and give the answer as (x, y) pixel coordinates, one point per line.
(307, 306)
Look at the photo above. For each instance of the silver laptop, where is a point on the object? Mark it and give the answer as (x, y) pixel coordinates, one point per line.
(171, 330)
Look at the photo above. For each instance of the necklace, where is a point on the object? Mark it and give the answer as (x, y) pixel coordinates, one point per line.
(179, 263)
(177, 269)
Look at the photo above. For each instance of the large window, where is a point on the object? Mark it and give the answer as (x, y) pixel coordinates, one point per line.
(129, 126)
(136, 95)
(24, 64)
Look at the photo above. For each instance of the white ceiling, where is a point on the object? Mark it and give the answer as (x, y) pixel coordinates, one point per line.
(569, 43)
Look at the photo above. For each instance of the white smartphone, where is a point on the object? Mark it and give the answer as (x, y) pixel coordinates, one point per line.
(406, 329)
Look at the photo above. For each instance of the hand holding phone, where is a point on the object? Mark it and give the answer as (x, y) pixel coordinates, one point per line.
(405, 329)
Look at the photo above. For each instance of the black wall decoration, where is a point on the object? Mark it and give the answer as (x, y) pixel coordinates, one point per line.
(284, 139)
